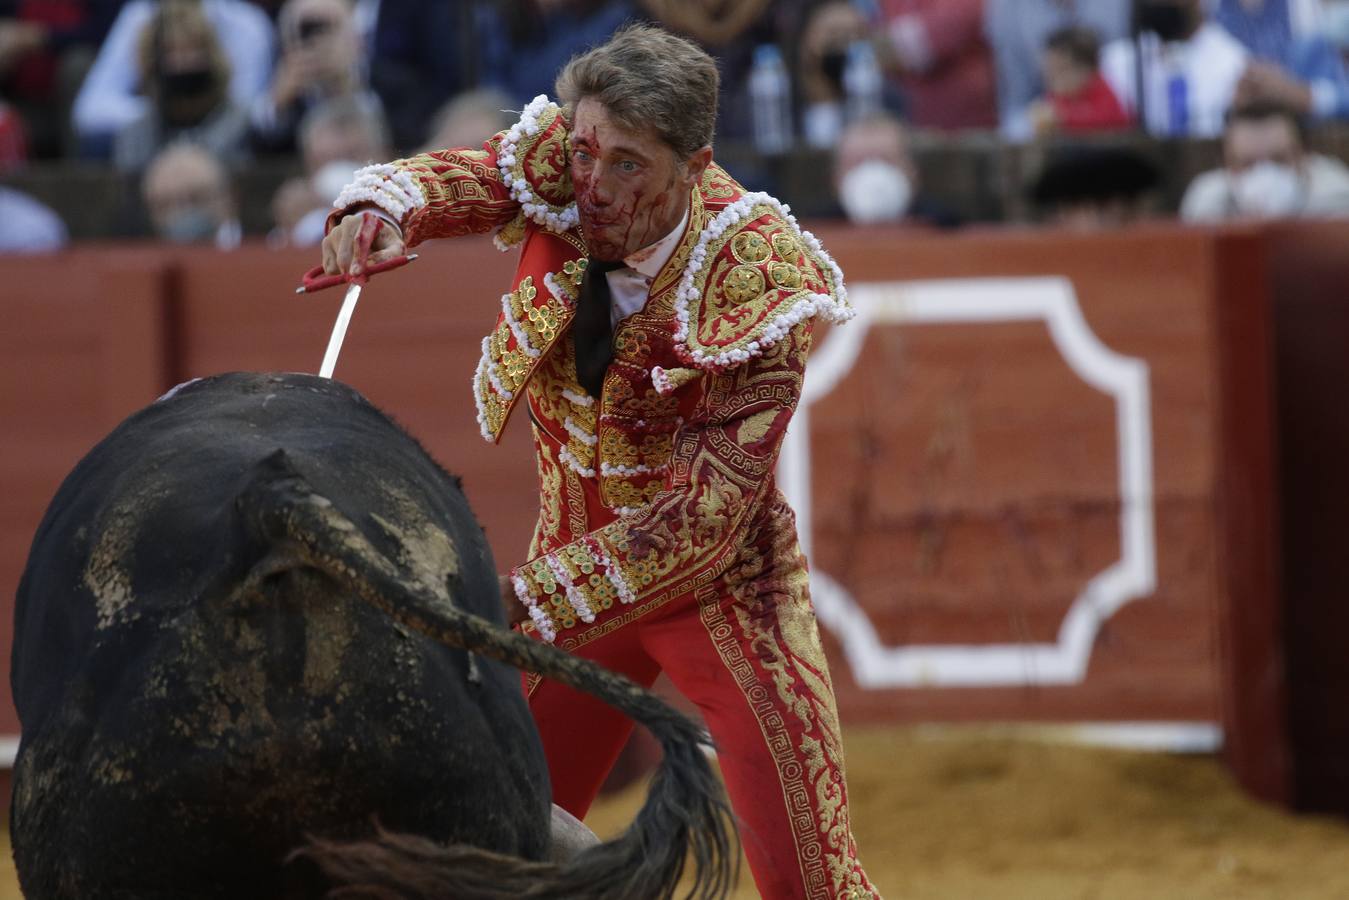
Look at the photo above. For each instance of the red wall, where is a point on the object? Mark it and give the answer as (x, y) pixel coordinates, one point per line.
(965, 483)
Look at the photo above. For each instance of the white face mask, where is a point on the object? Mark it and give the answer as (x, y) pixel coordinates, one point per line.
(329, 180)
(874, 191)
(1268, 190)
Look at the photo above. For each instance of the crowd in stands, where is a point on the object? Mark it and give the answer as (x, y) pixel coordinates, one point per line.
(182, 95)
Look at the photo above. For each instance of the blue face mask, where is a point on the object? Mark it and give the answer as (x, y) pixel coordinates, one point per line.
(193, 225)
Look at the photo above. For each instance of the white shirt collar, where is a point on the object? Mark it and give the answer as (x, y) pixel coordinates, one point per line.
(652, 258)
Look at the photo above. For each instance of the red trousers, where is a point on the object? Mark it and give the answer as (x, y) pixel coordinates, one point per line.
(747, 652)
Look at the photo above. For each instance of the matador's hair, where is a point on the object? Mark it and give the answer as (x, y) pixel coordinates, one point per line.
(648, 79)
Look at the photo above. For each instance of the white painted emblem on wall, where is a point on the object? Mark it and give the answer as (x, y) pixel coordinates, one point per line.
(1134, 575)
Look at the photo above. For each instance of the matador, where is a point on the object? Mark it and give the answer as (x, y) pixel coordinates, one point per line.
(663, 543)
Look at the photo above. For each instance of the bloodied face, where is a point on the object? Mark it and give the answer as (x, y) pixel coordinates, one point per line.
(631, 190)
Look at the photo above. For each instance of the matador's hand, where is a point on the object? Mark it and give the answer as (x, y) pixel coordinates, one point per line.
(340, 245)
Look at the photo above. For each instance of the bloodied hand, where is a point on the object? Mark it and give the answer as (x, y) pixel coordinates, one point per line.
(631, 189)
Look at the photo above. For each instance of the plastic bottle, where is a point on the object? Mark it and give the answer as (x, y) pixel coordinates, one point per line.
(1177, 105)
(770, 93)
(862, 81)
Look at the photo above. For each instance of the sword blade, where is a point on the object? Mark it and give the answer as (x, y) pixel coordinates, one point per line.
(339, 331)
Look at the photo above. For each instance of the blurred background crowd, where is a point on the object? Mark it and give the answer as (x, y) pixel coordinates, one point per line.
(211, 120)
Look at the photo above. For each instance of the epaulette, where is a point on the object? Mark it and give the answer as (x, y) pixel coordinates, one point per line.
(752, 276)
(534, 166)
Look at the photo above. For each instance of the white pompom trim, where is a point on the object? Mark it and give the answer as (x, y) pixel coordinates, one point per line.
(579, 433)
(611, 571)
(584, 401)
(516, 329)
(542, 621)
(575, 464)
(610, 470)
(393, 191)
(574, 597)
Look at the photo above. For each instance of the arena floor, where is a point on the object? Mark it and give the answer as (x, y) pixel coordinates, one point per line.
(954, 814)
(961, 815)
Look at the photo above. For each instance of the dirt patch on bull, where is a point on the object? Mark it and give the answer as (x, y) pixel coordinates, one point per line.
(956, 815)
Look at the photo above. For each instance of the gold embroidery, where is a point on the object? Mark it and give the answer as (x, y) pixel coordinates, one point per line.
(753, 429)
(550, 494)
(786, 246)
(744, 284)
(785, 275)
(750, 247)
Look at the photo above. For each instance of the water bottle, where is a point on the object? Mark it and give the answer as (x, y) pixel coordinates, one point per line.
(862, 81)
(770, 94)
(1177, 105)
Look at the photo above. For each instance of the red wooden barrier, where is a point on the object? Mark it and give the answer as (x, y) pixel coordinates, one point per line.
(966, 482)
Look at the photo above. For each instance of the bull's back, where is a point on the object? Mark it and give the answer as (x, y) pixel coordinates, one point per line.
(168, 655)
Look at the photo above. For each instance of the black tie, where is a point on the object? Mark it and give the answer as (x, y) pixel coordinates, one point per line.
(592, 332)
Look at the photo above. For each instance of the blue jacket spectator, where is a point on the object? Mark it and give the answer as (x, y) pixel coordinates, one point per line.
(525, 43)
(410, 69)
(1313, 76)
(1269, 28)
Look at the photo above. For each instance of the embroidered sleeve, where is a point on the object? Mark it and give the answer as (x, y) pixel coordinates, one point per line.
(519, 175)
(694, 527)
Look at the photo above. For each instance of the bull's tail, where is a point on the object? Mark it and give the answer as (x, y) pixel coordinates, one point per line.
(685, 815)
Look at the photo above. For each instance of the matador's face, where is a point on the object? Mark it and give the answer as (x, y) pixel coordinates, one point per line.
(631, 191)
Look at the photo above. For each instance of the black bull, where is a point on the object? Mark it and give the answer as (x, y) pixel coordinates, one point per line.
(243, 629)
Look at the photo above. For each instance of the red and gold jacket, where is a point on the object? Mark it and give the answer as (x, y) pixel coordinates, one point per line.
(649, 491)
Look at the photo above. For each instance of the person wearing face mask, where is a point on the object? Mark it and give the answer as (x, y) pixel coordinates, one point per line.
(186, 76)
(336, 138)
(188, 197)
(1188, 67)
(113, 94)
(321, 60)
(1267, 173)
(876, 180)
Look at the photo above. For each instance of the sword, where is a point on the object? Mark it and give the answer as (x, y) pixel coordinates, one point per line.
(315, 280)
(340, 330)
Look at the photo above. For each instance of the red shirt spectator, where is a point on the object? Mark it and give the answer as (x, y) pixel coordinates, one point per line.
(1094, 107)
(945, 66)
(1077, 97)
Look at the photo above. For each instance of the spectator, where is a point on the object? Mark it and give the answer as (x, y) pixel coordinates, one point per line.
(111, 97)
(1267, 173)
(1315, 79)
(335, 138)
(876, 179)
(186, 78)
(410, 70)
(1017, 30)
(1190, 69)
(1269, 28)
(822, 56)
(189, 199)
(1089, 188)
(730, 30)
(523, 44)
(26, 226)
(1077, 98)
(470, 119)
(943, 63)
(45, 51)
(321, 59)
